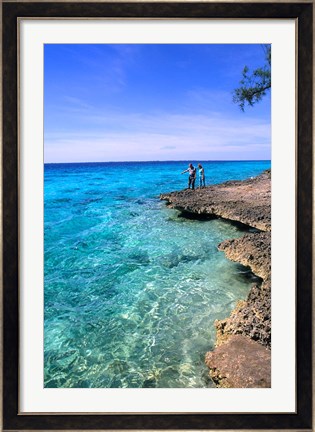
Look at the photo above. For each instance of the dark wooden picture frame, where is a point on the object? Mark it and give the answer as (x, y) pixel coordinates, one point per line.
(302, 419)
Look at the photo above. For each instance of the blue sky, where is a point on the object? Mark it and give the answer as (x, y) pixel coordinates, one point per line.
(151, 102)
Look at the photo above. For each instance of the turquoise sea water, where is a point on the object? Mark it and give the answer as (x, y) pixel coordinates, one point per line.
(132, 289)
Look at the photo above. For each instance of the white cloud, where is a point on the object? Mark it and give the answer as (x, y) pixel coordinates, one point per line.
(168, 147)
(121, 137)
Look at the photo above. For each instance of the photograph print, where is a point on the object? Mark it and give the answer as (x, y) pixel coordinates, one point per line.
(157, 215)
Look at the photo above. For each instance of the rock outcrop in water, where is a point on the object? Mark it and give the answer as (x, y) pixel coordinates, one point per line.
(251, 365)
(241, 357)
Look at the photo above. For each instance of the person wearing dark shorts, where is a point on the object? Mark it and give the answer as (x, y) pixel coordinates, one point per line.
(192, 176)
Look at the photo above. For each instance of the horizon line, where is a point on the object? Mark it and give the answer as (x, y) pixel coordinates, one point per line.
(161, 161)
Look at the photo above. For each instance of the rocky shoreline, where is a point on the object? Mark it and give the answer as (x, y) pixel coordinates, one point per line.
(242, 354)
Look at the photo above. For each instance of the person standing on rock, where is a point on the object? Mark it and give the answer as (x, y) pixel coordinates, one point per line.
(202, 177)
(192, 176)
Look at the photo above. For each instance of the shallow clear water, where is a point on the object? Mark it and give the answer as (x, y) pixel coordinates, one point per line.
(132, 289)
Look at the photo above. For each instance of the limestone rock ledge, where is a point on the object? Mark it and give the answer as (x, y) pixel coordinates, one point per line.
(247, 201)
(251, 250)
(240, 363)
(242, 357)
(251, 317)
